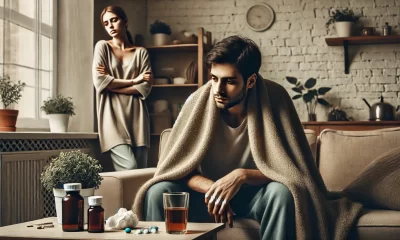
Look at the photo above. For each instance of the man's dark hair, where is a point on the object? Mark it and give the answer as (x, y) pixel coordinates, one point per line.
(239, 51)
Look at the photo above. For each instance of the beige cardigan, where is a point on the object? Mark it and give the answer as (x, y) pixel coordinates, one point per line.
(280, 151)
(122, 119)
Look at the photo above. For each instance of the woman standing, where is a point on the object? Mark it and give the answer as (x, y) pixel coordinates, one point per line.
(122, 78)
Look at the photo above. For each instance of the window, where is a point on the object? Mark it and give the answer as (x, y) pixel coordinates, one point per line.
(27, 53)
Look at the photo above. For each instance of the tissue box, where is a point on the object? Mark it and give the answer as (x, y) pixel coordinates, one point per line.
(160, 121)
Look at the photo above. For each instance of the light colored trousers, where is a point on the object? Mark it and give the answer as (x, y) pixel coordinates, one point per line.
(126, 157)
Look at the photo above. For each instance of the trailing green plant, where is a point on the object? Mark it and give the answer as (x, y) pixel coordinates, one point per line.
(58, 105)
(10, 91)
(160, 27)
(310, 96)
(72, 167)
(344, 15)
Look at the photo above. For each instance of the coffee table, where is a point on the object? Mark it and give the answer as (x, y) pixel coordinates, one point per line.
(198, 231)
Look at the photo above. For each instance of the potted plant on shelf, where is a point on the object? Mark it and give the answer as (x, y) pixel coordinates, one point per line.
(10, 92)
(311, 96)
(343, 20)
(71, 167)
(160, 32)
(58, 110)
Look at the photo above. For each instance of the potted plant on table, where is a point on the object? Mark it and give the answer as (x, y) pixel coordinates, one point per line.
(311, 96)
(71, 167)
(343, 20)
(58, 110)
(10, 92)
(160, 32)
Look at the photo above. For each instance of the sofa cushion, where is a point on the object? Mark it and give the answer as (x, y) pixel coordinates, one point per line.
(345, 154)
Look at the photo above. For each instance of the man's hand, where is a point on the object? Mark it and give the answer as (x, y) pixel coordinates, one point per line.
(226, 216)
(102, 70)
(222, 191)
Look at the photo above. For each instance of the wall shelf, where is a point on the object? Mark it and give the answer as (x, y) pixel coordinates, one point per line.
(175, 85)
(359, 40)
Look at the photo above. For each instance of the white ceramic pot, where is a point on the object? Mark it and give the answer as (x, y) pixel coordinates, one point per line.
(58, 122)
(343, 29)
(160, 39)
(60, 193)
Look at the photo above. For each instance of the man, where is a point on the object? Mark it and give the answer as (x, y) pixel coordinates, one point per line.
(239, 149)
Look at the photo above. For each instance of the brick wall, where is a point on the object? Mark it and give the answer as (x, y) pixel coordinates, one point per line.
(295, 45)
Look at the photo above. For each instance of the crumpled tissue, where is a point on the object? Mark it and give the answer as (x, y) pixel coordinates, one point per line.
(122, 219)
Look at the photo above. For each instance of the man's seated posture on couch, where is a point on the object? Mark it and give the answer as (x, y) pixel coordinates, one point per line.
(239, 149)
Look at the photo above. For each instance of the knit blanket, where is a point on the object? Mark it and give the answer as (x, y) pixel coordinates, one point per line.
(280, 151)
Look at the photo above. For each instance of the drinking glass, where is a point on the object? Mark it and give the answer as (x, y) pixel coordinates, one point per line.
(176, 208)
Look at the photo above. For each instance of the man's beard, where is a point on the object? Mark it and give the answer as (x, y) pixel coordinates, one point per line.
(233, 102)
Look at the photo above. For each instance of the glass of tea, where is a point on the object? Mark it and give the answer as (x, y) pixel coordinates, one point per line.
(176, 207)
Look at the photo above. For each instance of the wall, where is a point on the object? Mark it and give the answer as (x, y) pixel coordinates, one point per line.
(295, 45)
(75, 54)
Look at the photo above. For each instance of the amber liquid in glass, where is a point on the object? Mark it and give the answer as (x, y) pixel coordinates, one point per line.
(176, 219)
(72, 212)
(95, 219)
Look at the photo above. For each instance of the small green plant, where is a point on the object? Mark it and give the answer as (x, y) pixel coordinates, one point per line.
(160, 27)
(10, 91)
(338, 15)
(311, 96)
(58, 105)
(72, 167)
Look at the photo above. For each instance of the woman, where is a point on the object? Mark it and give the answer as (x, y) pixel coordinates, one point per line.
(121, 76)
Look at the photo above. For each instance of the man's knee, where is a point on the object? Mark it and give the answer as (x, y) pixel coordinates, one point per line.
(280, 194)
(155, 192)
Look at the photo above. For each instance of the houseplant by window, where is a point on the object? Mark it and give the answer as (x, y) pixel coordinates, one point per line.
(309, 94)
(58, 110)
(343, 20)
(160, 32)
(10, 92)
(71, 167)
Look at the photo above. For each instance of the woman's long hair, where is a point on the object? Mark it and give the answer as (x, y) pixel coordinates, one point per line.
(121, 14)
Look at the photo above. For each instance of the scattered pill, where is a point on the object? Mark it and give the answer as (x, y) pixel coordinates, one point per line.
(127, 230)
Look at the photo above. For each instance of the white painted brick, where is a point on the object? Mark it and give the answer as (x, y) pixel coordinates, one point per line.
(398, 72)
(388, 95)
(311, 58)
(318, 32)
(341, 3)
(284, 25)
(296, 51)
(284, 34)
(292, 42)
(383, 80)
(322, 13)
(278, 42)
(285, 9)
(361, 80)
(308, 14)
(392, 64)
(335, 65)
(297, 59)
(378, 56)
(377, 72)
(305, 66)
(358, 65)
(393, 11)
(310, 50)
(343, 81)
(284, 51)
(306, 25)
(319, 41)
(265, 43)
(323, 49)
(292, 66)
(370, 87)
(375, 12)
(281, 59)
(335, 57)
(371, 97)
(375, 64)
(295, 26)
(392, 87)
(306, 41)
(361, 3)
(221, 19)
(389, 72)
(384, 3)
(398, 55)
(292, 2)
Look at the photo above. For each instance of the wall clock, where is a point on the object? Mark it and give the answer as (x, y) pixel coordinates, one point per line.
(259, 17)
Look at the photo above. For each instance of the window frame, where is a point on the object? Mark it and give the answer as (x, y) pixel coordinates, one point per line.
(40, 29)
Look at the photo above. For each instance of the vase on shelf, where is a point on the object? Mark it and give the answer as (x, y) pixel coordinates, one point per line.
(312, 117)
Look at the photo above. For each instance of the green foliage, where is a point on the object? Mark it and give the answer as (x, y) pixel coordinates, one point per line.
(72, 167)
(10, 92)
(160, 27)
(311, 96)
(345, 15)
(58, 105)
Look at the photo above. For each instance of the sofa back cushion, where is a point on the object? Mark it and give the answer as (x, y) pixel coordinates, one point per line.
(310, 134)
(345, 154)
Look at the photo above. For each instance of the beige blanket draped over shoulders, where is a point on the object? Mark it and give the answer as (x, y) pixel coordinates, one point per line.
(122, 119)
(280, 151)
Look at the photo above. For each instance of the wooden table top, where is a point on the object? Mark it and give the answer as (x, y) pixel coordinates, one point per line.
(21, 231)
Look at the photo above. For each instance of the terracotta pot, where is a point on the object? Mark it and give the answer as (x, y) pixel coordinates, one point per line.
(8, 119)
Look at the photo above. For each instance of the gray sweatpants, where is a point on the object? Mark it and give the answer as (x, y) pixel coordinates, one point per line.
(126, 157)
(271, 205)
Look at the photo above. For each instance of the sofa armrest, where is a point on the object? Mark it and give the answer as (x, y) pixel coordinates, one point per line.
(119, 188)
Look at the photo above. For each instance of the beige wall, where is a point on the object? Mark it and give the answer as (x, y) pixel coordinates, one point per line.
(75, 53)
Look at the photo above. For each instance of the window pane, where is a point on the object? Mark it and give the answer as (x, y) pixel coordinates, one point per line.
(22, 46)
(26, 105)
(1, 40)
(47, 12)
(46, 57)
(1, 3)
(22, 74)
(45, 79)
(25, 7)
(44, 95)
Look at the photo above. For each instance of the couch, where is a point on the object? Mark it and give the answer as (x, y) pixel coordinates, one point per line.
(340, 157)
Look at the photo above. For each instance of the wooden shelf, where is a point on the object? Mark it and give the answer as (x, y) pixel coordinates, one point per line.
(174, 85)
(349, 125)
(359, 40)
(176, 48)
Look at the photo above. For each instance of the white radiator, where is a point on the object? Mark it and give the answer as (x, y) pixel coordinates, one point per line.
(23, 197)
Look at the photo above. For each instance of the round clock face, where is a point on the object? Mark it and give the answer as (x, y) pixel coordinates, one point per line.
(259, 17)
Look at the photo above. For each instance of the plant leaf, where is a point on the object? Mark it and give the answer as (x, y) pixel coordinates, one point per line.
(296, 89)
(292, 80)
(301, 88)
(323, 90)
(310, 83)
(296, 97)
(322, 102)
(307, 97)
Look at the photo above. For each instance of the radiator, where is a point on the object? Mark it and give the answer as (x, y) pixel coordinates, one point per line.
(23, 197)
